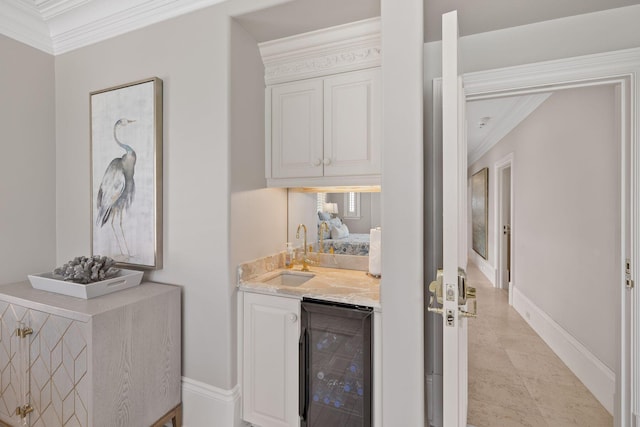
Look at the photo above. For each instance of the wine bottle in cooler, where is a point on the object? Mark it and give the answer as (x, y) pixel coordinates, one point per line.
(355, 366)
(319, 391)
(326, 341)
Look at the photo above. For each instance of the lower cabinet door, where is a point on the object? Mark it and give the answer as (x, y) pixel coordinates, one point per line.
(271, 330)
(43, 364)
(14, 363)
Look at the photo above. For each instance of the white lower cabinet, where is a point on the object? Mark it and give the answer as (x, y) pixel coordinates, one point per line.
(105, 362)
(271, 330)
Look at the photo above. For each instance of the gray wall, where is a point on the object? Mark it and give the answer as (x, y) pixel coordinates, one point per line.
(258, 218)
(566, 230)
(302, 210)
(27, 163)
(213, 165)
(369, 212)
(189, 54)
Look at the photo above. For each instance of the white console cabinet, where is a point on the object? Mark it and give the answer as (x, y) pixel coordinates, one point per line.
(104, 362)
(271, 329)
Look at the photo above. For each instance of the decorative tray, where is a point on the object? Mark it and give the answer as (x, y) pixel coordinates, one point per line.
(124, 280)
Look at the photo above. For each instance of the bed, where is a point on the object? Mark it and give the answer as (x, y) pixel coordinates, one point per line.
(337, 236)
(353, 244)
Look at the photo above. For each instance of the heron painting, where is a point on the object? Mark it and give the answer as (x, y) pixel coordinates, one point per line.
(117, 188)
(126, 173)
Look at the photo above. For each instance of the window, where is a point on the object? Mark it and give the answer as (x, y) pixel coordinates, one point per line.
(351, 205)
(320, 201)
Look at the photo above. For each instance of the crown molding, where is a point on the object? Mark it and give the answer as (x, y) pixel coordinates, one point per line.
(331, 50)
(21, 23)
(520, 111)
(60, 26)
(52, 8)
(524, 77)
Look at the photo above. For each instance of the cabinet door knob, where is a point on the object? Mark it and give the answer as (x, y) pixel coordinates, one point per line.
(293, 318)
(327, 162)
(318, 162)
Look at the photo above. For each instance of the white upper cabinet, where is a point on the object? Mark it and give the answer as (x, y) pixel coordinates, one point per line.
(296, 129)
(352, 123)
(324, 107)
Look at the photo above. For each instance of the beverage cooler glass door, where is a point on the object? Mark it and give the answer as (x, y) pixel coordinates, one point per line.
(335, 365)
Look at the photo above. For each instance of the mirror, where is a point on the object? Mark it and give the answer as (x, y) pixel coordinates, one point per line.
(349, 217)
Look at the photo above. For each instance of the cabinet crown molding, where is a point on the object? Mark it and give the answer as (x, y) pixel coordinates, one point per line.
(333, 50)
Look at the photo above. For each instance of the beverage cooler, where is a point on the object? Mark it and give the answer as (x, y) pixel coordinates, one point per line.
(335, 365)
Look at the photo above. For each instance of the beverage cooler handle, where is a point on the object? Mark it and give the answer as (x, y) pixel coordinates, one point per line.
(303, 399)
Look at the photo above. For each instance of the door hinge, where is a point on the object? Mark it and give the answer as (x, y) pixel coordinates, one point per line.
(627, 274)
(24, 410)
(24, 332)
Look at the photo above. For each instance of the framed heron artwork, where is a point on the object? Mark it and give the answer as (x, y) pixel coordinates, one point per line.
(126, 173)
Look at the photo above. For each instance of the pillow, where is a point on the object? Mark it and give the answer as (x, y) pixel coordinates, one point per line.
(334, 222)
(324, 216)
(340, 232)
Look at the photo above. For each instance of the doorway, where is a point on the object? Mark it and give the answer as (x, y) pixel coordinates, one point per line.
(504, 228)
(614, 68)
(566, 160)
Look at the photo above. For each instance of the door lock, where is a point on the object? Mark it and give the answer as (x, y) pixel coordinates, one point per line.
(466, 297)
(451, 318)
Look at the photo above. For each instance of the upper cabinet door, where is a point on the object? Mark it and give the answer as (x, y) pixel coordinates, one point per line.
(296, 129)
(352, 123)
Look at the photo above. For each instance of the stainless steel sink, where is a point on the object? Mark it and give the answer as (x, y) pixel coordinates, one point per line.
(289, 278)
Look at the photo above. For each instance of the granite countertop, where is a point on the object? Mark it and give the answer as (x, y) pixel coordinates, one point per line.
(348, 286)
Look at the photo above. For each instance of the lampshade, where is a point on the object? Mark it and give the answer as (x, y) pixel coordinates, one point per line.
(331, 208)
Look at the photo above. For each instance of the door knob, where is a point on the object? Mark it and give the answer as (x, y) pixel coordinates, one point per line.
(293, 318)
(467, 303)
(326, 162)
(318, 162)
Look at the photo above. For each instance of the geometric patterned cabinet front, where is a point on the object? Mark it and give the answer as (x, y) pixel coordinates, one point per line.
(111, 361)
(56, 356)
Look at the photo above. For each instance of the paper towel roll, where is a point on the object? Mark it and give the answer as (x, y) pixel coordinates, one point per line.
(375, 258)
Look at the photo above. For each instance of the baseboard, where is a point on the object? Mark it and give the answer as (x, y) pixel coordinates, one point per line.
(207, 406)
(484, 266)
(595, 375)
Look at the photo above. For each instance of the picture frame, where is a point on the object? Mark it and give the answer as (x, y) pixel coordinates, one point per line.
(126, 173)
(480, 212)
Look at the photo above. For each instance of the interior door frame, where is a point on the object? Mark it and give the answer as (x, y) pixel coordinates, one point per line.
(502, 164)
(618, 67)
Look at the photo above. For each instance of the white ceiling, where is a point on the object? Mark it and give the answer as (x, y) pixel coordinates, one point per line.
(490, 120)
(302, 16)
(58, 26)
(479, 16)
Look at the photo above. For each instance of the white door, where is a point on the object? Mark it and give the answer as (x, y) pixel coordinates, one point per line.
(454, 205)
(270, 360)
(505, 221)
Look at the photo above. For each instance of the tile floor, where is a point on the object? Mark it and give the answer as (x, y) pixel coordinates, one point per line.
(514, 377)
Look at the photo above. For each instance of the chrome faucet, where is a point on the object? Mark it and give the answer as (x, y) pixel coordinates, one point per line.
(323, 225)
(305, 260)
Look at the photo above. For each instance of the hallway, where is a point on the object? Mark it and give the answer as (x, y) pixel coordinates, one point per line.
(515, 379)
